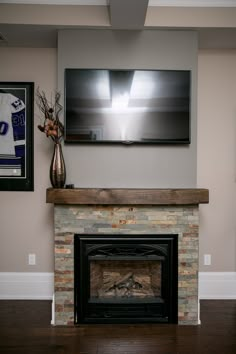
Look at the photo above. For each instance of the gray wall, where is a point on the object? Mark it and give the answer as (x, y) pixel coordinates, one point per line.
(25, 218)
(110, 166)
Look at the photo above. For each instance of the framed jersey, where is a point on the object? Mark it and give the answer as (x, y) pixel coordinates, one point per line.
(16, 136)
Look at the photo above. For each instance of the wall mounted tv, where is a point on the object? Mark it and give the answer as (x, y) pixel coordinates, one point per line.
(127, 106)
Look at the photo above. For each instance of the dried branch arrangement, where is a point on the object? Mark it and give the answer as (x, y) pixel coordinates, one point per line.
(52, 125)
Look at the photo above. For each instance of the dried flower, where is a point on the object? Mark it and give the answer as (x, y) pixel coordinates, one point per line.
(52, 126)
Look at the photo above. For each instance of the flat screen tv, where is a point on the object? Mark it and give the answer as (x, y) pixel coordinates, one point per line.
(127, 106)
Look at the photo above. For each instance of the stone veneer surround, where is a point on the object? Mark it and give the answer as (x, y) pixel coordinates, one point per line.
(125, 220)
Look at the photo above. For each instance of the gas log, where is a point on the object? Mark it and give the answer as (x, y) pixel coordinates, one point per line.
(127, 285)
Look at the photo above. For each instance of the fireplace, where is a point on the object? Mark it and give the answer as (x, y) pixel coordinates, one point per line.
(126, 279)
(126, 213)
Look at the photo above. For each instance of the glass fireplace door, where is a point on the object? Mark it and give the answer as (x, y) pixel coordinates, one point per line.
(121, 280)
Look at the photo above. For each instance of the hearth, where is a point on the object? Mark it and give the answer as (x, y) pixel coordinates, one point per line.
(126, 278)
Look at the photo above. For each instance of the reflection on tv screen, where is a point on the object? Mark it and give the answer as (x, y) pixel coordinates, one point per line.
(139, 106)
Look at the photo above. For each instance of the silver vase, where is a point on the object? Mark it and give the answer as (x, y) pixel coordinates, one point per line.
(58, 168)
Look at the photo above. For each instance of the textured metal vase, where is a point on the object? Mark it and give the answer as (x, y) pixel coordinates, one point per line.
(58, 168)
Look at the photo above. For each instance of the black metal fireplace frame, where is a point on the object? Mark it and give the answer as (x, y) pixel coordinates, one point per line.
(159, 312)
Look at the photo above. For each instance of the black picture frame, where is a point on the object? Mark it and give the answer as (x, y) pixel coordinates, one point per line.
(16, 136)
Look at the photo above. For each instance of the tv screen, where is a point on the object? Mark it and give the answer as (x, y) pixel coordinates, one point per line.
(127, 106)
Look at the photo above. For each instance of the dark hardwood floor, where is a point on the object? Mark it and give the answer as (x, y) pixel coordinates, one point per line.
(25, 329)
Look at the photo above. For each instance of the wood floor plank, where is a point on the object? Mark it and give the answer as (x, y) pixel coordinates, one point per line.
(25, 329)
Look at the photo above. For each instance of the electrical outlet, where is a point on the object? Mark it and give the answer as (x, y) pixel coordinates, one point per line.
(32, 259)
(207, 259)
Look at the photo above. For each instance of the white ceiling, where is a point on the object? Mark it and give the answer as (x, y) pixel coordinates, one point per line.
(195, 3)
(124, 14)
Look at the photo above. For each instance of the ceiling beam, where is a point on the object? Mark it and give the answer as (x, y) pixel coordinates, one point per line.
(128, 14)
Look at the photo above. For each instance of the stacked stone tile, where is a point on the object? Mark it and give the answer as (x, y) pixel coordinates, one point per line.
(126, 220)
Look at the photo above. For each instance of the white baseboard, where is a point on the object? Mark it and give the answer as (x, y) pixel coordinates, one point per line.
(26, 286)
(217, 285)
(39, 286)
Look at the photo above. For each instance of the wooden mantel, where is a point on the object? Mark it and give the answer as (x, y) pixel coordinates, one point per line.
(109, 196)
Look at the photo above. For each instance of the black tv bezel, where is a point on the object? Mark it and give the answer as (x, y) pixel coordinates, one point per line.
(131, 142)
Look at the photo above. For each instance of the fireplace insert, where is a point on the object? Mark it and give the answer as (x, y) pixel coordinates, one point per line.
(126, 279)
